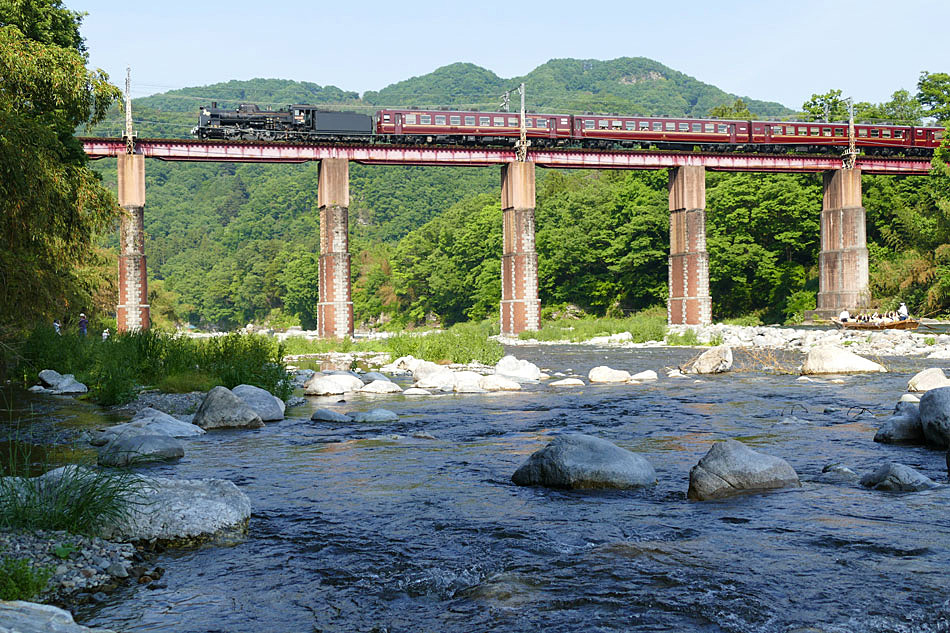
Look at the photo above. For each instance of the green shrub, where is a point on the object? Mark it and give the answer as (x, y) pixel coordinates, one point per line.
(648, 325)
(930, 340)
(186, 381)
(461, 343)
(798, 302)
(20, 580)
(748, 320)
(688, 337)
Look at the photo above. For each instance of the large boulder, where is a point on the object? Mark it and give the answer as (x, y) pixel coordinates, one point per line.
(184, 510)
(130, 450)
(935, 416)
(442, 379)
(731, 468)
(713, 361)
(584, 461)
(520, 370)
(647, 374)
(268, 406)
(52, 382)
(897, 478)
(467, 382)
(29, 617)
(495, 382)
(381, 386)
(903, 427)
(423, 368)
(371, 376)
(603, 373)
(148, 421)
(332, 384)
(832, 359)
(222, 409)
(568, 382)
(928, 379)
(373, 415)
(326, 415)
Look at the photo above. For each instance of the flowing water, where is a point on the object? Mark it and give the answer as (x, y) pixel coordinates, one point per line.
(367, 528)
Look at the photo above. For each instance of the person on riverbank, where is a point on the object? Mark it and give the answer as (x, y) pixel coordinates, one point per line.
(105, 334)
(83, 324)
(902, 312)
(57, 326)
(844, 316)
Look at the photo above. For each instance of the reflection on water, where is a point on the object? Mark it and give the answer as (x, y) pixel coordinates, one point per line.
(367, 528)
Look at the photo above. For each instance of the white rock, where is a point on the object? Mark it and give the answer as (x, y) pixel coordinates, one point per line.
(415, 391)
(29, 617)
(381, 386)
(675, 373)
(603, 373)
(568, 382)
(645, 375)
(830, 359)
(423, 369)
(520, 370)
(320, 385)
(443, 380)
(909, 397)
(928, 379)
(494, 382)
(60, 384)
(713, 361)
(467, 382)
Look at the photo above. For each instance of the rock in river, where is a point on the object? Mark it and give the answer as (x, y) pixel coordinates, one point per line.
(935, 416)
(831, 359)
(713, 361)
(603, 373)
(731, 468)
(584, 461)
(928, 379)
(58, 384)
(520, 370)
(222, 409)
(129, 450)
(28, 617)
(373, 415)
(897, 478)
(326, 415)
(148, 421)
(903, 427)
(264, 403)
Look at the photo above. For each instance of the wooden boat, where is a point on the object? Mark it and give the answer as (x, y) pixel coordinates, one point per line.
(907, 324)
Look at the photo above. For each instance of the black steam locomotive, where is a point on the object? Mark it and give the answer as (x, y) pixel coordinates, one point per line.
(293, 123)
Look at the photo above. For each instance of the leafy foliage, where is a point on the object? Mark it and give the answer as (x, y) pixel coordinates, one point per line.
(20, 579)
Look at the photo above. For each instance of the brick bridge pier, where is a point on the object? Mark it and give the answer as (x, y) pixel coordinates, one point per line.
(843, 262)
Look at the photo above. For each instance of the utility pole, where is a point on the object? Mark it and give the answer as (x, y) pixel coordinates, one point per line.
(523, 143)
(505, 101)
(850, 157)
(129, 134)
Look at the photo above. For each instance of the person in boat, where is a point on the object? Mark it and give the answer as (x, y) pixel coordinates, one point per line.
(844, 316)
(902, 312)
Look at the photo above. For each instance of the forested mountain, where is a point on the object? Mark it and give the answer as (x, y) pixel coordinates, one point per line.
(230, 243)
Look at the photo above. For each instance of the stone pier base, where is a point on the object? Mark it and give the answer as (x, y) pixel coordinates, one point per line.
(132, 311)
(689, 302)
(335, 308)
(520, 307)
(843, 262)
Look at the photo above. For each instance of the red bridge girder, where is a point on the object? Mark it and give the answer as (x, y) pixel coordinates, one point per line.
(192, 150)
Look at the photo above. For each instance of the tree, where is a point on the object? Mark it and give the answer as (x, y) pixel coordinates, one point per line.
(829, 106)
(933, 91)
(737, 110)
(51, 204)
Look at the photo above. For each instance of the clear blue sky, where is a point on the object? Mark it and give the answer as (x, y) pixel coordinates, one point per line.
(779, 51)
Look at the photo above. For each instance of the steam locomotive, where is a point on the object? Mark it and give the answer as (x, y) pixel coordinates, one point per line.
(305, 123)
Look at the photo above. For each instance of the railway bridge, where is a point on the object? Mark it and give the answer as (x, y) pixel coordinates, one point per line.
(843, 261)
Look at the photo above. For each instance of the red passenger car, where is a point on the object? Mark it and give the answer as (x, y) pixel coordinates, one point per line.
(478, 128)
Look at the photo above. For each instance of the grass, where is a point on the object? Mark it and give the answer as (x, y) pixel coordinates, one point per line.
(648, 325)
(114, 369)
(20, 580)
(461, 343)
(688, 338)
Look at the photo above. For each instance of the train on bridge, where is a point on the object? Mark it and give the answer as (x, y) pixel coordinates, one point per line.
(306, 123)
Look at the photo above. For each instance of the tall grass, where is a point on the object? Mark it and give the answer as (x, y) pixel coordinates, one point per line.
(648, 325)
(114, 368)
(461, 343)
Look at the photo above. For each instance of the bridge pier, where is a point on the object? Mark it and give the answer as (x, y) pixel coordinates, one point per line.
(335, 307)
(843, 262)
(132, 311)
(520, 306)
(689, 302)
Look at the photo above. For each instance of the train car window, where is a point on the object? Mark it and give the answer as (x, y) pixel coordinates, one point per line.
(886, 133)
(455, 120)
(499, 120)
(411, 119)
(386, 118)
(813, 131)
(513, 121)
(863, 132)
(469, 120)
(563, 121)
(440, 119)
(670, 126)
(631, 125)
(644, 125)
(425, 119)
(839, 131)
(484, 120)
(826, 131)
(875, 133)
(588, 124)
(723, 128)
(710, 127)
(697, 127)
(657, 126)
(938, 135)
(684, 127)
(543, 123)
(803, 131)
(898, 133)
(616, 124)
(777, 130)
(603, 124)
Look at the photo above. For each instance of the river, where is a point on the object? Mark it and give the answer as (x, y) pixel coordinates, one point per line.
(367, 528)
